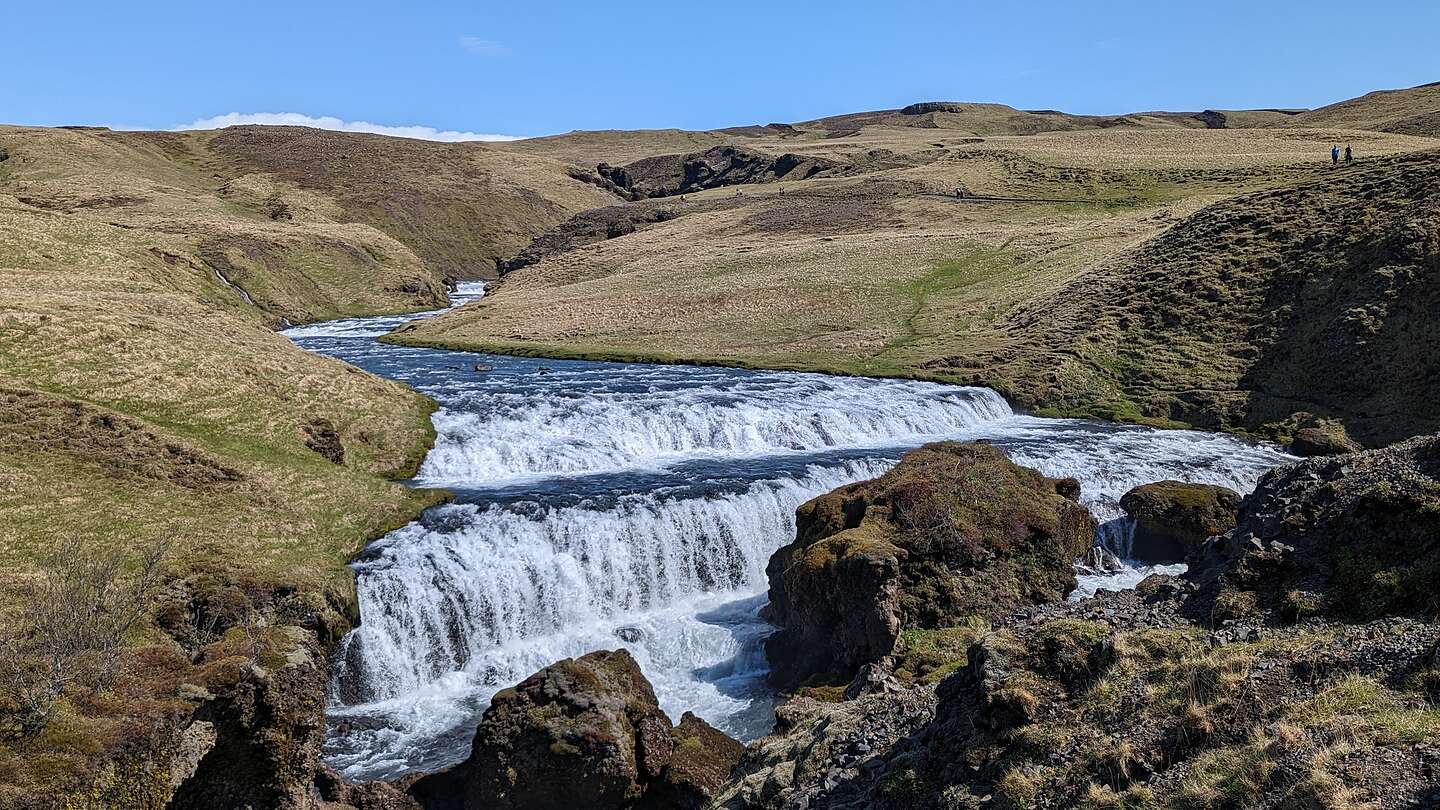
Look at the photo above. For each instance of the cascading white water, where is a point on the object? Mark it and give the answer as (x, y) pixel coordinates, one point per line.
(468, 585)
(609, 505)
(476, 598)
(530, 433)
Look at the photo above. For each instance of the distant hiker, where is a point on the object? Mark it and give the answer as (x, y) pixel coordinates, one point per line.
(1335, 155)
(1349, 156)
(959, 193)
(782, 191)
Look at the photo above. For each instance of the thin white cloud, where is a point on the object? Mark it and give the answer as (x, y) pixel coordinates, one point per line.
(330, 122)
(483, 47)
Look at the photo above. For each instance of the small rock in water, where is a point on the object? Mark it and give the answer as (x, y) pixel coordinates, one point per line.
(630, 635)
(1100, 561)
(484, 369)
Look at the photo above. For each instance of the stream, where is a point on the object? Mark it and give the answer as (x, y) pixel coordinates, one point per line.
(604, 505)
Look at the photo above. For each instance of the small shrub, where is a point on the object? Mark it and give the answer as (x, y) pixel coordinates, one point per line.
(73, 633)
(1297, 606)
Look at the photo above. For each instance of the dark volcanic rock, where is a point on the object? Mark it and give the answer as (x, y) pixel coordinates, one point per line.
(954, 530)
(1212, 119)
(668, 175)
(700, 762)
(932, 106)
(587, 228)
(1173, 518)
(1355, 536)
(584, 732)
(1138, 699)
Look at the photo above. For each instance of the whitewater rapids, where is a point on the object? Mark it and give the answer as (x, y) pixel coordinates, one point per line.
(605, 505)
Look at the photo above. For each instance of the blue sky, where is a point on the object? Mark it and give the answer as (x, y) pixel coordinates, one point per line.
(533, 68)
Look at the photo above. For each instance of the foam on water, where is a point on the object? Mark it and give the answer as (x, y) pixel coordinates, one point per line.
(493, 437)
(609, 505)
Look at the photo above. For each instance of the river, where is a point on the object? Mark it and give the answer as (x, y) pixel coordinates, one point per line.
(604, 505)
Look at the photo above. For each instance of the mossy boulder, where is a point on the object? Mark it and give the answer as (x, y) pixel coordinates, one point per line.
(1323, 440)
(1173, 518)
(700, 763)
(1353, 537)
(584, 732)
(954, 532)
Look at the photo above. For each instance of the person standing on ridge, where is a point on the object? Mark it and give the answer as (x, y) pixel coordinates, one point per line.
(1335, 155)
(1349, 156)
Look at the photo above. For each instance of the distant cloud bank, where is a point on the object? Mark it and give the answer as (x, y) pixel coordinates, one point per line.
(330, 122)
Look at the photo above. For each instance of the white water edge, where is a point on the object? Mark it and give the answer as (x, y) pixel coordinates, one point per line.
(636, 506)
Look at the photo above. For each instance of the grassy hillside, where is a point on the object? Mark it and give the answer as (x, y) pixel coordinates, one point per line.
(1412, 111)
(146, 402)
(1137, 271)
(1258, 312)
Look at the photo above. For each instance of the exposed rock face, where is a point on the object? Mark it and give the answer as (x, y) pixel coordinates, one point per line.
(1326, 440)
(586, 228)
(668, 175)
(954, 530)
(932, 106)
(254, 738)
(1212, 119)
(338, 794)
(1354, 536)
(584, 732)
(1173, 518)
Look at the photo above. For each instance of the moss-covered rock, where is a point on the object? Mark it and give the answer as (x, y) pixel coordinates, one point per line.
(1323, 440)
(584, 732)
(1173, 518)
(954, 531)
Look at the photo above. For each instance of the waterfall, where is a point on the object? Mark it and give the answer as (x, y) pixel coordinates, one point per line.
(606, 505)
(475, 598)
(483, 439)
(470, 586)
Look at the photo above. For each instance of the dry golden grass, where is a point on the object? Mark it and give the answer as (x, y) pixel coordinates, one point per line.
(131, 366)
(878, 270)
(1415, 110)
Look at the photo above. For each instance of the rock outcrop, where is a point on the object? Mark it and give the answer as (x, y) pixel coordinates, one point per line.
(668, 175)
(954, 531)
(923, 107)
(1173, 518)
(585, 732)
(1354, 536)
(1323, 440)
